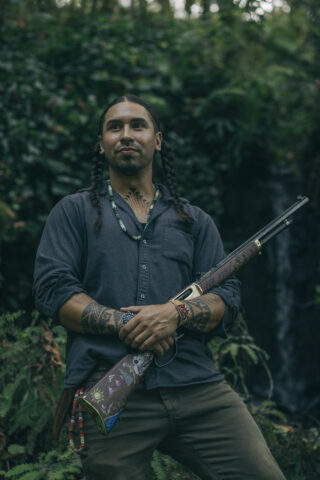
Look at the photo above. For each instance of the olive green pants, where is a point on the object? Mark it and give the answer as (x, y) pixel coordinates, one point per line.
(206, 427)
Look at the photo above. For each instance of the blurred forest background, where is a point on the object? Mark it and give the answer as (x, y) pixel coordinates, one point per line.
(236, 84)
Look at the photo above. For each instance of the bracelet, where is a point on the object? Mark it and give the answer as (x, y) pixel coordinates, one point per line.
(182, 310)
(126, 317)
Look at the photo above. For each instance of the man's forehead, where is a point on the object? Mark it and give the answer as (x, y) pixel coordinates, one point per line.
(126, 111)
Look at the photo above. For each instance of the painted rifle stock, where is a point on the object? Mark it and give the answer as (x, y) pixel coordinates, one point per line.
(107, 398)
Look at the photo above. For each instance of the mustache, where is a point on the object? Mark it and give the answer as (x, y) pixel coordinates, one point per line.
(127, 147)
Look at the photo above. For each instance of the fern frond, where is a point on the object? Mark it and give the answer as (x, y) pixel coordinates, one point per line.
(19, 469)
(8, 393)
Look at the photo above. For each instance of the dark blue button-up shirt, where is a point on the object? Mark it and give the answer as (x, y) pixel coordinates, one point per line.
(117, 271)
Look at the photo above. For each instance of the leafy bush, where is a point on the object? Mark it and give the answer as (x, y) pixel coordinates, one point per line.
(295, 449)
(236, 355)
(54, 465)
(231, 112)
(31, 379)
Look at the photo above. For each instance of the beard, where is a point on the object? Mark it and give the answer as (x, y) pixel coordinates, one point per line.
(128, 167)
(129, 170)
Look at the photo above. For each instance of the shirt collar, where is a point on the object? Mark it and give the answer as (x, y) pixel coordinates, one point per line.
(165, 194)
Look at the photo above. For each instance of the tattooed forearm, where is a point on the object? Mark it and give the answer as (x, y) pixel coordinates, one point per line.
(202, 314)
(198, 316)
(98, 319)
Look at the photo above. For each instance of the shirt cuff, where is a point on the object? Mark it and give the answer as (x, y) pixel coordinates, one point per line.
(230, 314)
(49, 302)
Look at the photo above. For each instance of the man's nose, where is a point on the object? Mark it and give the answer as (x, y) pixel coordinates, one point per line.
(126, 133)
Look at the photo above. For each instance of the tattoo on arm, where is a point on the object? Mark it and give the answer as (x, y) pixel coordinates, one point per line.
(99, 319)
(201, 313)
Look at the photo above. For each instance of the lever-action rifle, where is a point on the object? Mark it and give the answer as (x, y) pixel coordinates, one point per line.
(107, 398)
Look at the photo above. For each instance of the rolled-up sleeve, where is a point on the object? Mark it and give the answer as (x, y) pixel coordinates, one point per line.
(209, 252)
(60, 257)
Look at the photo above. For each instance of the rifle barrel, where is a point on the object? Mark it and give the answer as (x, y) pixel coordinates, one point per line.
(270, 230)
(285, 224)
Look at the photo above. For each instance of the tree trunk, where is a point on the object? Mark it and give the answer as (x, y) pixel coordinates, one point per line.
(187, 6)
(84, 4)
(166, 9)
(142, 8)
(206, 8)
(94, 6)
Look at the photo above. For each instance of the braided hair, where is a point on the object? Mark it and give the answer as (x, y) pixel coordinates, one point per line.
(97, 182)
(167, 157)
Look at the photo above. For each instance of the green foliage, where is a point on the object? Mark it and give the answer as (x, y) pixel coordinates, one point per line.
(296, 450)
(235, 98)
(6, 216)
(55, 465)
(164, 467)
(236, 355)
(30, 380)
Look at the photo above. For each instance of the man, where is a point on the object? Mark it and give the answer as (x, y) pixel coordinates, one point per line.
(129, 245)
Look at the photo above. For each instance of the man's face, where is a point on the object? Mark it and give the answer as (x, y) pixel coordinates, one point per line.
(128, 139)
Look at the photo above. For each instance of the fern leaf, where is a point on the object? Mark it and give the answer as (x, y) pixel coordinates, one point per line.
(251, 354)
(8, 393)
(23, 467)
(234, 347)
(34, 475)
(158, 469)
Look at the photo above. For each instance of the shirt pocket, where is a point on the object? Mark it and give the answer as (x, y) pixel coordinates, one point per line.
(178, 242)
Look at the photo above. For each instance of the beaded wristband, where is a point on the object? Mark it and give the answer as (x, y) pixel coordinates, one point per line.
(182, 310)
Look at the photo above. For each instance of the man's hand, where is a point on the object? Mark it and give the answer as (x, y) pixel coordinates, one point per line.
(153, 327)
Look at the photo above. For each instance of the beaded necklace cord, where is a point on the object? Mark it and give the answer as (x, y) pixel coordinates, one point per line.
(75, 404)
(117, 214)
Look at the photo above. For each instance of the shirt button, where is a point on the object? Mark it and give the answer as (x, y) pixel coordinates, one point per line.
(144, 241)
(142, 295)
(144, 267)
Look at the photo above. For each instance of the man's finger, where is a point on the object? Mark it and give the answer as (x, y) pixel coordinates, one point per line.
(131, 338)
(164, 345)
(158, 350)
(136, 339)
(151, 341)
(133, 309)
(129, 327)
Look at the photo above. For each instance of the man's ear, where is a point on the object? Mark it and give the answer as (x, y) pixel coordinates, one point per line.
(159, 138)
(100, 142)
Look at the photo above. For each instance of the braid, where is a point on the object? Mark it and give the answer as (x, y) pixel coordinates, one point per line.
(167, 158)
(96, 183)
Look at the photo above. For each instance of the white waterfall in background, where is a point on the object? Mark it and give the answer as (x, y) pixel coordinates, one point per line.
(287, 387)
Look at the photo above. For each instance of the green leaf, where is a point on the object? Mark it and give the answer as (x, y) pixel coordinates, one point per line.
(234, 348)
(8, 393)
(251, 353)
(16, 449)
(18, 469)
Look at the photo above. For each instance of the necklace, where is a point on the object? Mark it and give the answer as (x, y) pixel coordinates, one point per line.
(117, 214)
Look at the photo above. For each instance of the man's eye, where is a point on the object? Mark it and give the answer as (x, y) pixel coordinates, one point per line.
(138, 125)
(114, 127)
